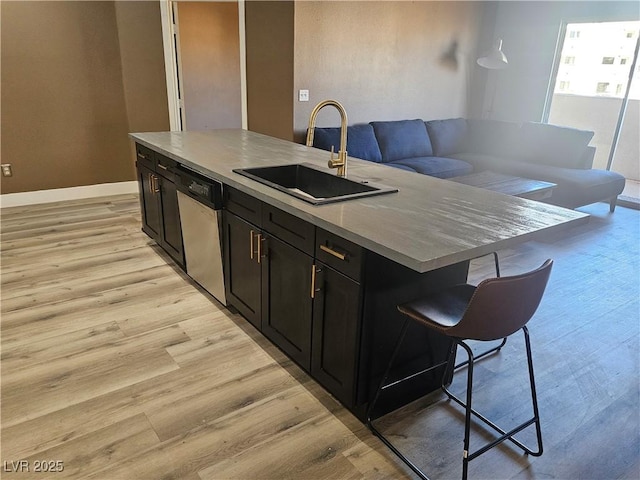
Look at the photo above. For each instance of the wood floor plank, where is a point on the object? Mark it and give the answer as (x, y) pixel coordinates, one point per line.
(28, 353)
(58, 383)
(20, 298)
(73, 267)
(150, 395)
(322, 458)
(64, 250)
(97, 450)
(54, 319)
(218, 440)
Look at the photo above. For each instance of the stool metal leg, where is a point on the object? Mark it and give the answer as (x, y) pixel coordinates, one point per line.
(483, 354)
(467, 415)
(384, 385)
(504, 435)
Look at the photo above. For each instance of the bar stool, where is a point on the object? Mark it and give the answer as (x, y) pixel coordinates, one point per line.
(495, 309)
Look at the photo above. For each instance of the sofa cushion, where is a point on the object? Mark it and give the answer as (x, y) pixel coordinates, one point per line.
(448, 136)
(440, 167)
(361, 141)
(402, 139)
(483, 161)
(401, 167)
(553, 145)
(575, 187)
(493, 137)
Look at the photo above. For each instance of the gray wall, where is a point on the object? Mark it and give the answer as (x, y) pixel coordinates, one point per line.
(269, 45)
(383, 60)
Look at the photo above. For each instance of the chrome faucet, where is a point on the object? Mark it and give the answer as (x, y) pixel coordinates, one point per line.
(341, 162)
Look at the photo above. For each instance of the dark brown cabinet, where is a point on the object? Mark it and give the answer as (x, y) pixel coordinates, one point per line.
(159, 201)
(171, 233)
(337, 313)
(149, 205)
(286, 299)
(243, 272)
(269, 269)
(336, 321)
(299, 287)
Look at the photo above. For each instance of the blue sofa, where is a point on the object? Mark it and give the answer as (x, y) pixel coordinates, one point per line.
(454, 147)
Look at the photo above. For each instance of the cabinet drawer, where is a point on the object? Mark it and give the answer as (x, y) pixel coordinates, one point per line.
(243, 205)
(341, 254)
(293, 230)
(145, 156)
(166, 167)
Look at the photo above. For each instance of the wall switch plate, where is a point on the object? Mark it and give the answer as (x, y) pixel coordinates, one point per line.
(303, 95)
(6, 170)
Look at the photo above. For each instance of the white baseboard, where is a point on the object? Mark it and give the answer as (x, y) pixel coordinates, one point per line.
(62, 194)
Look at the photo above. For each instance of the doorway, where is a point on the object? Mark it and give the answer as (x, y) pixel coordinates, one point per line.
(204, 45)
(594, 89)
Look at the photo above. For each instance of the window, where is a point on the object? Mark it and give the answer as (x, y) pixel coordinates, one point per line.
(592, 93)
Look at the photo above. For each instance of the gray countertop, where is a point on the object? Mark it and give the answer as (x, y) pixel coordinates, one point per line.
(427, 224)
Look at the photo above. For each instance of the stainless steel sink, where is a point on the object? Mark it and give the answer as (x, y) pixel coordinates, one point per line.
(311, 184)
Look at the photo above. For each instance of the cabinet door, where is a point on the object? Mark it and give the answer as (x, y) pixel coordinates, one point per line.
(242, 275)
(171, 238)
(286, 299)
(148, 185)
(336, 326)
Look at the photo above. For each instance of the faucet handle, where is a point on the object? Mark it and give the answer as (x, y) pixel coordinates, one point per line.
(332, 160)
(340, 163)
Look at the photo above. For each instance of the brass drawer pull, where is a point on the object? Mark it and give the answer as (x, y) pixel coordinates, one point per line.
(153, 180)
(314, 270)
(163, 167)
(330, 251)
(260, 239)
(142, 156)
(251, 234)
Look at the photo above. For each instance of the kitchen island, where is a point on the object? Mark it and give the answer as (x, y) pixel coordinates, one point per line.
(335, 316)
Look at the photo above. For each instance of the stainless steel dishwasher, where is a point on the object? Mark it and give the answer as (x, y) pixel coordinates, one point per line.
(200, 205)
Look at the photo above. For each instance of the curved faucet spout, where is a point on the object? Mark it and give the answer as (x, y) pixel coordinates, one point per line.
(341, 162)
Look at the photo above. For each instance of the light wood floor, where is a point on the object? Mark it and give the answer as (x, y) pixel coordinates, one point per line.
(116, 365)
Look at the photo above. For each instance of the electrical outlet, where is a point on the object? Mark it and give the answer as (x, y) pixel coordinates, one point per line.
(303, 95)
(6, 170)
